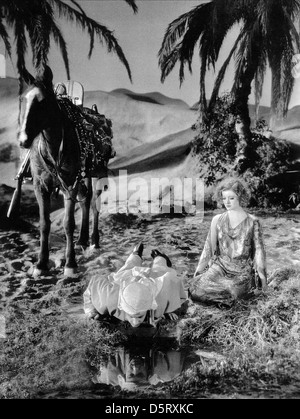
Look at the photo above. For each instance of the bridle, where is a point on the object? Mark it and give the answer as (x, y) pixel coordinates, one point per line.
(50, 165)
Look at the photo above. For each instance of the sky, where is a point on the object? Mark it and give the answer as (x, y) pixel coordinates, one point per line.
(140, 36)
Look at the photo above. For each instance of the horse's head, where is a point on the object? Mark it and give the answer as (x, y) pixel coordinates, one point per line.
(34, 114)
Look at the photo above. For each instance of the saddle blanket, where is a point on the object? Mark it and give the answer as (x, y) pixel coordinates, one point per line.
(94, 134)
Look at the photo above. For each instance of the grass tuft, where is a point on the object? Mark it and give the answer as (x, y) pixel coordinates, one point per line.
(49, 352)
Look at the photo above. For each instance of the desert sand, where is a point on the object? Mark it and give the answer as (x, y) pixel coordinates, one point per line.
(181, 237)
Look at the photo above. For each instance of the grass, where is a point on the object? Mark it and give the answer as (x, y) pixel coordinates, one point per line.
(48, 351)
(267, 319)
(259, 340)
(257, 343)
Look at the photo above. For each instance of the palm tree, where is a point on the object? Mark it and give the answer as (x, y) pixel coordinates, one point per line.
(267, 36)
(35, 20)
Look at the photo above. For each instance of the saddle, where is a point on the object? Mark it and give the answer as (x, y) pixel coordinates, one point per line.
(94, 135)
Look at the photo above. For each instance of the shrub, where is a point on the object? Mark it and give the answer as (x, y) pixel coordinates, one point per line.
(215, 147)
(217, 140)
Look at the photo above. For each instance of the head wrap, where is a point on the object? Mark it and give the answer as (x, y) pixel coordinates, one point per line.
(138, 291)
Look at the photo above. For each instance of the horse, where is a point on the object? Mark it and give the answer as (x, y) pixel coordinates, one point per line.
(56, 162)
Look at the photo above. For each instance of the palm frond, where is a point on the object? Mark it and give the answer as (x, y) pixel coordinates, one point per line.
(76, 4)
(248, 56)
(94, 28)
(283, 44)
(39, 32)
(36, 18)
(195, 32)
(222, 71)
(21, 46)
(189, 25)
(133, 5)
(276, 80)
(59, 40)
(259, 81)
(225, 14)
(174, 32)
(287, 81)
(103, 34)
(169, 63)
(290, 7)
(293, 31)
(202, 98)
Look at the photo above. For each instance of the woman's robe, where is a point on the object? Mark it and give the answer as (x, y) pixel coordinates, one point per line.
(234, 266)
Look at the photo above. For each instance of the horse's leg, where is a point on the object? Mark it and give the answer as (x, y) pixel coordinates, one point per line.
(96, 194)
(43, 199)
(69, 226)
(84, 195)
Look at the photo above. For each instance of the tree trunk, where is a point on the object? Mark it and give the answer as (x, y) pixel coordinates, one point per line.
(244, 153)
(273, 114)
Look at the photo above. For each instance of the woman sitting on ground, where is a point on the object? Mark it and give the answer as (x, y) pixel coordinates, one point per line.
(135, 292)
(233, 260)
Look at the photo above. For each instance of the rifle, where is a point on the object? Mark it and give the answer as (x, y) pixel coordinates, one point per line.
(16, 198)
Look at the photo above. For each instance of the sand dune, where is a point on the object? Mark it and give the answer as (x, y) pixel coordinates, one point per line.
(152, 97)
(172, 148)
(140, 119)
(9, 106)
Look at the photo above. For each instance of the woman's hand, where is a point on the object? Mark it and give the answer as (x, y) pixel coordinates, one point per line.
(170, 316)
(93, 315)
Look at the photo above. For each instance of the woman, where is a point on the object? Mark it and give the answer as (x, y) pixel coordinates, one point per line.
(233, 259)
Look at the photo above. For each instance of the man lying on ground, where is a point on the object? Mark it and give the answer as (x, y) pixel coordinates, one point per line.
(137, 293)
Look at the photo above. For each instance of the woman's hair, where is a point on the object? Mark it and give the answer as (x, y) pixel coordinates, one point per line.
(235, 185)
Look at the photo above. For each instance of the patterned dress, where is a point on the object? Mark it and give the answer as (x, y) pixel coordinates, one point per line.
(234, 266)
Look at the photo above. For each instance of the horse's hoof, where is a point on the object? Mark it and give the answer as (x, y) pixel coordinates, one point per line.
(70, 273)
(37, 272)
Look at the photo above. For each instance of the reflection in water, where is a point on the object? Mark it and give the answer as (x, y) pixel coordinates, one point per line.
(134, 368)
